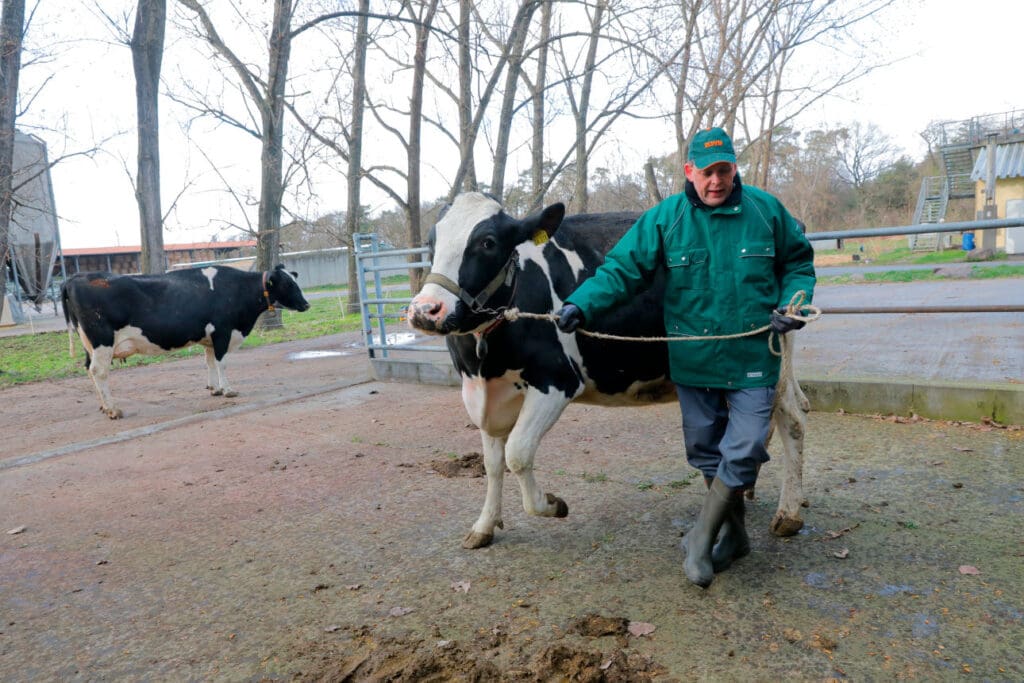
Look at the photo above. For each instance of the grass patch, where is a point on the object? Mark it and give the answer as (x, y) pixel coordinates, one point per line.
(1002, 270)
(977, 272)
(44, 356)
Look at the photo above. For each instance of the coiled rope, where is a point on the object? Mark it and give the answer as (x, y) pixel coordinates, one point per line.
(796, 309)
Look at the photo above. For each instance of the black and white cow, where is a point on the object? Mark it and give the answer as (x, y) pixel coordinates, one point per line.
(117, 316)
(519, 375)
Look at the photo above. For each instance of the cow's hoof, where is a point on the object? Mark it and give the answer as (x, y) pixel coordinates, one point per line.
(784, 525)
(474, 540)
(113, 413)
(561, 509)
(230, 394)
(216, 392)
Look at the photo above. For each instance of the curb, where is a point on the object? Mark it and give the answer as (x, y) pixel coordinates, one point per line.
(964, 401)
(967, 402)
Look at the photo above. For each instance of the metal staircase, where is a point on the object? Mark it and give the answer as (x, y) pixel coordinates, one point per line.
(936, 191)
(959, 162)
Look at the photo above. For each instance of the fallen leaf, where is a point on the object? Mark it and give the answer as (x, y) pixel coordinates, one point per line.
(605, 665)
(832, 535)
(460, 586)
(16, 530)
(354, 586)
(841, 554)
(332, 628)
(969, 569)
(641, 628)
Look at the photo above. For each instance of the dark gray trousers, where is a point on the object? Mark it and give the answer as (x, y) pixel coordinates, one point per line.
(724, 431)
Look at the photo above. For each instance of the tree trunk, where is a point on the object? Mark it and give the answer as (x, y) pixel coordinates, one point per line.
(268, 249)
(537, 147)
(514, 48)
(414, 203)
(467, 137)
(147, 53)
(11, 26)
(353, 216)
(580, 193)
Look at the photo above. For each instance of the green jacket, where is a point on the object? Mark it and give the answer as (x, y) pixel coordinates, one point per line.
(726, 269)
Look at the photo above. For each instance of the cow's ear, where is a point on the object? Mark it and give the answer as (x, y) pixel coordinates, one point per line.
(543, 225)
(294, 274)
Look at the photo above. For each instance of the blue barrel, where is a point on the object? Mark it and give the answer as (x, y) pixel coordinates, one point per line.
(968, 241)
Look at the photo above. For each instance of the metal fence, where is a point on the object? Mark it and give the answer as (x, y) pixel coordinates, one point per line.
(385, 333)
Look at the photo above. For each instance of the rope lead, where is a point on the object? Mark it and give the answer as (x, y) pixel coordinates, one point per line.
(795, 309)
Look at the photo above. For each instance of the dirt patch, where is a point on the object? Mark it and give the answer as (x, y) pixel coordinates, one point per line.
(468, 465)
(301, 531)
(491, 656)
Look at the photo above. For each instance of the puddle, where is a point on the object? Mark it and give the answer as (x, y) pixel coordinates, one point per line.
(306, 355)
(396, 338)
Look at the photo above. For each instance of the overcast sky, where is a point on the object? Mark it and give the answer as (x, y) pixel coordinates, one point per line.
(965, 61)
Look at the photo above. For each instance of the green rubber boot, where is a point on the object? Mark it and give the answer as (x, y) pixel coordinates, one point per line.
(733, 542)
(699, 540)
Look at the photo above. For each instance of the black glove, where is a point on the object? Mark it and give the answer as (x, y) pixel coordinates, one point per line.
(782, 323)
(569, 318)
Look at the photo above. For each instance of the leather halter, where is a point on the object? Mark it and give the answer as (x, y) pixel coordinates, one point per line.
(266, 293)
(505, 277)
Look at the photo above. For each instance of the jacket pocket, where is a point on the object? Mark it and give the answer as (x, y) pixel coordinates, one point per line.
(687, 268)
(756, 266)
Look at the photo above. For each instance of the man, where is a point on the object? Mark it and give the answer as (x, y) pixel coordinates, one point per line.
(733, 257)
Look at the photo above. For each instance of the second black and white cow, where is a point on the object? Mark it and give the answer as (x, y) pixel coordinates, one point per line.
(117, 316)
(519, 375)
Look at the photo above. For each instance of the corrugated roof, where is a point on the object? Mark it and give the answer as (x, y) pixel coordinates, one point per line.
(135, 249)
(1009, 162)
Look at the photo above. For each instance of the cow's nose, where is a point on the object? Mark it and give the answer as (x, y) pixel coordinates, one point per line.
(426, 309)
(423, 315)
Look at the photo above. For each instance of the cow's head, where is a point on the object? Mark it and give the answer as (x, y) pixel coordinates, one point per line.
(283, 290)
(474, 262)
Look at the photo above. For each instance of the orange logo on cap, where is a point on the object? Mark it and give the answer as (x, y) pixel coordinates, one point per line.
(713, 143)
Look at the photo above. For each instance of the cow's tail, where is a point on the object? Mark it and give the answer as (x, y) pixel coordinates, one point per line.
(68, 319)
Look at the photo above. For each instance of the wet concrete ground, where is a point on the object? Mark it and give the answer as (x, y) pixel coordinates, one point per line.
(275, 535)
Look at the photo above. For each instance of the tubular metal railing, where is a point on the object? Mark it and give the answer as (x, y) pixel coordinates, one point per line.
(379, 308)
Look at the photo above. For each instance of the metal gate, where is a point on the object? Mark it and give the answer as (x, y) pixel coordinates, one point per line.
(395, 351)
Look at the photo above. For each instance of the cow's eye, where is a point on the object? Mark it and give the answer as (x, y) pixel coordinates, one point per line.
(488, 243)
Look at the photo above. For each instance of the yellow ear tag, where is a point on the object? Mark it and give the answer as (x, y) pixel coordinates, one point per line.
(540, 237)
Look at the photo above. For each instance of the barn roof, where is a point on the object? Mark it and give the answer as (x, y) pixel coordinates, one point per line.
(1009, 162)
(136, 249)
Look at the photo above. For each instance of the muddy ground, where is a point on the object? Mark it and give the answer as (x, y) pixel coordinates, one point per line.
(310, 529)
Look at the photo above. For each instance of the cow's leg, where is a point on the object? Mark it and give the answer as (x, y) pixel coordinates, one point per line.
(482, 533)
(212, 374)
(790, 418)
(216, 362)
(540, 411)
(99, 371)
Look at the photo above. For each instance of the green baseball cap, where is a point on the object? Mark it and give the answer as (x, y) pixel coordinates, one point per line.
(711, 146)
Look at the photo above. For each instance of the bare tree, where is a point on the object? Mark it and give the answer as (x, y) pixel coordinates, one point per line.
(610, 40)
(424, 22)
(515, 44)
(353, 216)
(537, 122)
(147, 45)
(267, 95)
(11, 27)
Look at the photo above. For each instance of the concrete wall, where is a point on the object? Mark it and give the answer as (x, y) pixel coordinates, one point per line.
(315, 268)
(330, 266)
(1006, 188)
